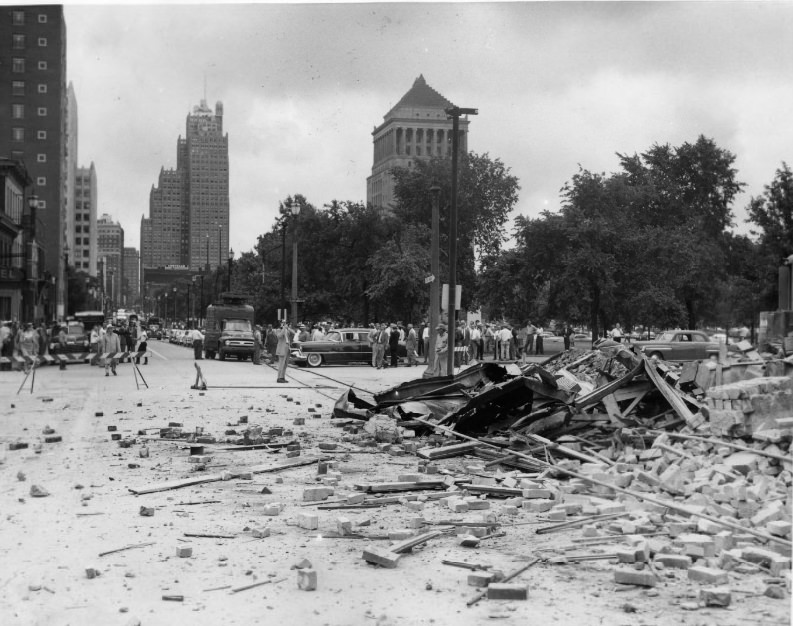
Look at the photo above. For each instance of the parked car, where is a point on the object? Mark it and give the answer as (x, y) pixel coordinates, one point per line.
(343, 345)
(76, 339)
(680, 345)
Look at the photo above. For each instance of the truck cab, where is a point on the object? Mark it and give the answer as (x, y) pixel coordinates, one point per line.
(229, 328)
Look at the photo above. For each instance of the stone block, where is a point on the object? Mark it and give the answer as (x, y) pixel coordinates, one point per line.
(507, 591)
(778, 528)
(260, 533)
(535, 494)
(383, 558)
(481, 579)
(307, 579)
(676, 561)
(538, 506)
(274, 508)
(715, 596)
(184, 551)
(629, 576)
(344, 525)
(707, 575)
(313, 494)
(774, 561)
(309, 521)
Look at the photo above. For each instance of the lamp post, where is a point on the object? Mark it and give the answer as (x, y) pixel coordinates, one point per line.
(454, 113)
(220, 263)
(231, 259)
(207, 266)
(174, 305)
(188, 305)
(432, 365)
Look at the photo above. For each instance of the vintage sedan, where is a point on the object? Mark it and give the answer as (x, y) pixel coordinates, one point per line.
(340, 346)
(679, 345)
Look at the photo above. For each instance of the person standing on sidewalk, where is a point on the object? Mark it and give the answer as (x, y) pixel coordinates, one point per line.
(441, 350)
(378, 347)
(198, 343)
(393, 345)
(257, 345)
(410, 346)
(112, 345)
(284, 335)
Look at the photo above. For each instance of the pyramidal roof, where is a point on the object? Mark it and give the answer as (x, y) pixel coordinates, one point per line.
(422, 95)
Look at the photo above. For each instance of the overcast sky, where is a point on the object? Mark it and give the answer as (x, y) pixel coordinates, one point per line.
(557, 84)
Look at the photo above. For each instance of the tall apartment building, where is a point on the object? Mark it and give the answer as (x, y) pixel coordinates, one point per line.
(188, 222)
(33, 100)
(69, 183)
(85, 241)
(110, 237)
(131, 272)
(416, 127)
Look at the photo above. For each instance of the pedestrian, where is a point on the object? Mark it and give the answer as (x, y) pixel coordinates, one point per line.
(410, 346)
(539, 348)
(616, 333)
(132, 336)
(284, 335)
(28, 346)
(474, 342)
(425, 340)
(378, 346)
(505, 337)
(567, 332)
(441, 350)
(302, 334)
(111, 347)
(197, 338)
(393, 345)
(271, 341)
(514, 349)
(143, 346)
(531, 332)
(93, 344)
(257, 345)
(44, 343)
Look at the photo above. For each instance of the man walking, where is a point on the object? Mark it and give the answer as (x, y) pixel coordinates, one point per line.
(441, 350)
(506, 337)
(284, 335)
(393, 345)
(198, 343)
(380, 340)
(257, 345)
(410, 346)
(111, 346)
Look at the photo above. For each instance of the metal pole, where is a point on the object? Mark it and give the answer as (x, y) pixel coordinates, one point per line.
(435, 268)
(294, 277)
(228, 286)
(283, 264)
(201, 305)
(455, 113)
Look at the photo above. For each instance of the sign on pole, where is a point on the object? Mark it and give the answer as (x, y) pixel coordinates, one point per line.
(429, 279)
(445, 296)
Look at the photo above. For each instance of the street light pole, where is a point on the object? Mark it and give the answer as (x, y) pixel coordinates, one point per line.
(231, 260)
(435, 268)
(454, 113)
(283, 261)
(174, 305)
(295, 212)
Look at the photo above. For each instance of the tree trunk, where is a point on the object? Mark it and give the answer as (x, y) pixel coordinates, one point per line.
(593, 312)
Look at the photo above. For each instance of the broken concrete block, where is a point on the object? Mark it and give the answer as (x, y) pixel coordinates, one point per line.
(767, 558)
(507, 591)
(274, 508)
(307, 579)
(457, 505)
(538, 506)
(383, 558)
(481, 579)
(535, 494)
(508, 509)
(312, 494)
(309, 521)
(146, 511)
(716, 596)
(184, 551)
(677, 561)
(38, 492)
(642, 578)
(696, 545)
(203, 459)
(261, 533)
(707, 575)
(356, 498)
(91, 573)
(344, 525)
(468, 541)
(226, 475)
(778, 528)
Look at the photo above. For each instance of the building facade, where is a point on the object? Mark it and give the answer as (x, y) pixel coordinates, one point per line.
(110, 248)
(188, 222)
(416, 127)
(131, 282)
(70, 180)
(33, 102)
(85, 239)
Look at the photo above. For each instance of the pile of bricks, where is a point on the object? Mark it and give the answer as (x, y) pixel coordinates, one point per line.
(749, 406)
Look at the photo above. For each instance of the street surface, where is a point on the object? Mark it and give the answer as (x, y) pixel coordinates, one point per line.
(47, 544)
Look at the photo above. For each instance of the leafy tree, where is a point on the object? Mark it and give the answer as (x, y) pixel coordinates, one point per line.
(771, 215)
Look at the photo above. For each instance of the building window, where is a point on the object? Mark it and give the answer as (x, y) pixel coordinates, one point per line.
(41, 158)
(18, 42)
(18, 88)
(86, 253)
(19, 18)
(18, 65)
(42, 204)
(42, 42)
(42, 18)
(42, 65)
(17, 111)
(41, 181)
(42, 111)
(18, 134)
(42, 88)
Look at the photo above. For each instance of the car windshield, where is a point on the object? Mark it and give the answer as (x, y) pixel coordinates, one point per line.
(665, 337)
(239, 325)
(333, 337)
(74, 328)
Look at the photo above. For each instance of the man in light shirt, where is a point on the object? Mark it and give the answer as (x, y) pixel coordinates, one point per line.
(506, 336)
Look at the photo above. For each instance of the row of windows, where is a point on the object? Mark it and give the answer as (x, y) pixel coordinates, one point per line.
(79, 229)
(18, 88)
(18, 65)
(18, 42)
(18, 18)
(18, 111)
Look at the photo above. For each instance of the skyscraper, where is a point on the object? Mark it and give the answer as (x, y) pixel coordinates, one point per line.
(188, 223)
(84, 245)
(33, 103)
(110, 236)
(416, 127)
(131, 277)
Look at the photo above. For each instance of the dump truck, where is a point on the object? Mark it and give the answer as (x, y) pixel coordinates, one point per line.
(229, 328)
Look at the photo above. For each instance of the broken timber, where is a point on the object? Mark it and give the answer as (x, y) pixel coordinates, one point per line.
(446, 452)
(189, 482)
(400, 486)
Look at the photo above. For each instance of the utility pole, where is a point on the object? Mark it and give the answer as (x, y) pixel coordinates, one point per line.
(454, 113)
(435, 269)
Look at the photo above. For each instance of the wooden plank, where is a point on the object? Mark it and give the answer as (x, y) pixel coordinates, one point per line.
(446, 452)
(258, 469)
(400, 486)
(409, 544)
(494, 490)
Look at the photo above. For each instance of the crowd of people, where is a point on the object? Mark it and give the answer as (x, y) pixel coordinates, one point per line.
(34, 342)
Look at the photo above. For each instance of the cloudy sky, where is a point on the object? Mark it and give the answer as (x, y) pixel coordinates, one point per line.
(557, 84)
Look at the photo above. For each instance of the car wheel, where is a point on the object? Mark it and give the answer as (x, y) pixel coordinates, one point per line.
(314, 360)
(222, 355)
(657, 355)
